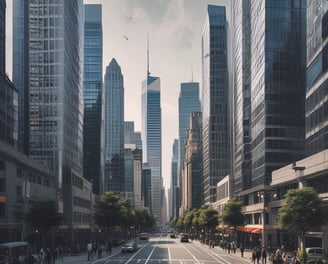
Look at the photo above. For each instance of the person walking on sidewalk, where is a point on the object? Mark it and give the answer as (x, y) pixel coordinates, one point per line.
(264, 255)
(90, 249)
(241, 248)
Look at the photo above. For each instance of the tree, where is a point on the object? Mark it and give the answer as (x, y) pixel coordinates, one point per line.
(43, 215)
(232, 214)
(111, 210)
(302, 211)
(208, 217)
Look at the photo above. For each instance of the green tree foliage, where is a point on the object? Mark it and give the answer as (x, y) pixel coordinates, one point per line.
(43, 215)
(112, 210)
(232, 214)
(302, 211)
(208, 217)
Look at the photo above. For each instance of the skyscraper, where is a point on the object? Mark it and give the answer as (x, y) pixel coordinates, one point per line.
(277, 85)
(20, 66)
(316, 131)
(114, 128)
(269, 88)
(55, 86)
(53, 83)
(93, 168)
(2, 38)
(152, 138)
(215, 101)
(188, 103)
(242, 103)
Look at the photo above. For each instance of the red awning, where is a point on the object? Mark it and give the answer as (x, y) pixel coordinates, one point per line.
(250, 229)
(257, 231)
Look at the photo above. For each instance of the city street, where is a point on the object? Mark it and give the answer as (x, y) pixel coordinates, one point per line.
(166, 250)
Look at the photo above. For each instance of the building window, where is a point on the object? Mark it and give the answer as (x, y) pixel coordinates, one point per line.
(19, 173)
(2, 165)
(2, 210)
(2, 185)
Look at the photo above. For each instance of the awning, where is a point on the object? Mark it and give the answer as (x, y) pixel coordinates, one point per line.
(250, 230)
(257, 231)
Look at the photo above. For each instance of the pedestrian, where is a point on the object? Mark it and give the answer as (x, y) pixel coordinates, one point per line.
(241, 248)
(90, 249)
(264, 255)
(234, 246)
(99, 251)
(229, 247)
(258, 255)
(254, 255)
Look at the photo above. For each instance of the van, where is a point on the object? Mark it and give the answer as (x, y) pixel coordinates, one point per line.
(12, 249)
(315, 252)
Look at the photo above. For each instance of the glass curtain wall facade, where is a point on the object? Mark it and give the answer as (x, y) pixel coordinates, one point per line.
(56, 87)
(152, 138)
(277, 32)
(114, 128)
(215, 101)
(92, 95)
(316, 120)
(188, 103)
(20, 55)
(242, 103)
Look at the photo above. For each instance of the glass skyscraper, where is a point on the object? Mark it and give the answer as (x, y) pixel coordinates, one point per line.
(114, 128)
(188, 103)
(277, 52)
(20, 54)
(55, 91)
(215, 101)
(242, 103)
(317, 81)
(152, 138)
(93, 168)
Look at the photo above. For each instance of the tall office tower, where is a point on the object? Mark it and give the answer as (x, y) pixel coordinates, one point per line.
(20, 65)
(316, 128)
(152, 138)
(191, 184)
(8, 92)
(242, 103)
(137, 178)
(173, 203)
(93, 168)
(277, 52)
(55, 94)
(114, 128)
(2, 39)
(215, 101)
(188, 103)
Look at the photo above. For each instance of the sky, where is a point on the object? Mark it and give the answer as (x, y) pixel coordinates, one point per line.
(175, 31)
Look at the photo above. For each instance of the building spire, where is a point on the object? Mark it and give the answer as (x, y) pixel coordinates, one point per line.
(148, 72)
(192, 74)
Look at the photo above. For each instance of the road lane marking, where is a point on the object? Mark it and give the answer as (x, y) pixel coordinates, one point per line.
(191, 255)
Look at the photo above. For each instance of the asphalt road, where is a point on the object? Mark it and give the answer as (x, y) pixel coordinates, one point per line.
(163, 249)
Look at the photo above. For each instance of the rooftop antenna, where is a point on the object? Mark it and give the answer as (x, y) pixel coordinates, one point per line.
(192, 74)
(148, 73)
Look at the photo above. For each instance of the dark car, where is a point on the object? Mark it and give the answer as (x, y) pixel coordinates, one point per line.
(184, 238)
(173, 236)
(130, 246)
(143, 236)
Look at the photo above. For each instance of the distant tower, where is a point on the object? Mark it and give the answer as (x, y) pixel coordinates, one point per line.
(114, 128)
(93, 168)
(152, 137)
(188, 103)
(215, 101)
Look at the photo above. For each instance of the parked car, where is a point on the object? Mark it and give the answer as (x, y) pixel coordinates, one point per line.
(184, 238)
(315, 252)
(143, 236)
(130, 246)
